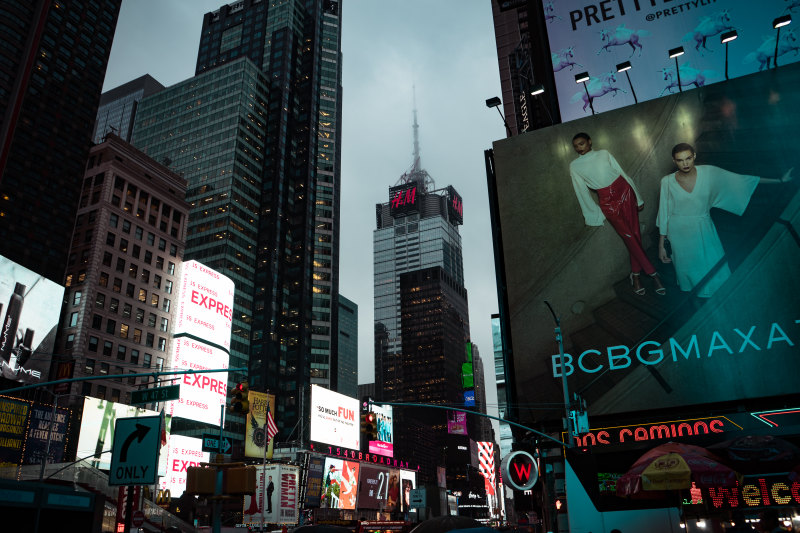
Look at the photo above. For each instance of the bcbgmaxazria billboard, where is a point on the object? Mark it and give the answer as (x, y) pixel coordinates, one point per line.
(713, 171)
(596, 36)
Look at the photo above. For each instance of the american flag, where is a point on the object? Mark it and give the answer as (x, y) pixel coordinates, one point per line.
(272, 429)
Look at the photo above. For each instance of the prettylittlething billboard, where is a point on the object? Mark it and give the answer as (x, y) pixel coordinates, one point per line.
(727, 328)
(202, 341)
(29, 308)
(334, 418)
(596, 36)
(182, 452)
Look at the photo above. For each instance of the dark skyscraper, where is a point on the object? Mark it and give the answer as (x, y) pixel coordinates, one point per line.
(117, 111)
(52, 64)
(295, 153)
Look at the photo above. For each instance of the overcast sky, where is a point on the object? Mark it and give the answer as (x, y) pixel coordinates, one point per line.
(446, 49)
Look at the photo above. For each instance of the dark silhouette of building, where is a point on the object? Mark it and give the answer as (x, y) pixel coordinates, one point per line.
(117, 111)
(52, 64)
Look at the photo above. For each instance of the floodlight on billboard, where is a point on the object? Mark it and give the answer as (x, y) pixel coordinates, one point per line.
(30, 307)
(333, 418)
(182, 452)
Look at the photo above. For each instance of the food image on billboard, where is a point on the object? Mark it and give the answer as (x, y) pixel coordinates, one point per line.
(205, 306)
(584, 37)
(339, 484)
(408, 482)
(726, 328)
(379, 488)
(334, 418)
(457, 422)
(201, 394)
(182, 452)
(277, 496)
(383, 420)
(97, 431)
(29, 309)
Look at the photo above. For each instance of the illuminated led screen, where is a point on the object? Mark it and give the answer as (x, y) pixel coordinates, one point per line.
(334, 418)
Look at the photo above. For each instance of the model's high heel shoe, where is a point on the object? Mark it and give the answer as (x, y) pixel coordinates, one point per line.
(660, 289)
(636, 284)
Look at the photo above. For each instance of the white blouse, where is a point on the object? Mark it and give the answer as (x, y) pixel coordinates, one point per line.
(596, 169)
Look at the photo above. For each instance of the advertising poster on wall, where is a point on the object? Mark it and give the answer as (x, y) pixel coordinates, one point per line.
(408, 482)
(713, 170)
(29, 308)
(316, 469)
(277, 496)
(14, 416)
(201, 394)
(256, 425)
(457, 422)
(334, 418)
(339, 484)
(40, 432)
(595, 37)
(97, 431)
(383, 419)
(182, 452)
(379, 488)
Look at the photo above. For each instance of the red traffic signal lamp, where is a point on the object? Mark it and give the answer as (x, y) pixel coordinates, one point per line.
(370, 426)
(240, 403)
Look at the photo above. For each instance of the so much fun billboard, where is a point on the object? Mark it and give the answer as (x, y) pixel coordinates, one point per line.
(665, 236)
(596, 36)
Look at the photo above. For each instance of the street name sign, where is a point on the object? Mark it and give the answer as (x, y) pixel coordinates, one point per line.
(134, 456)
(157, 394)
(211, 443)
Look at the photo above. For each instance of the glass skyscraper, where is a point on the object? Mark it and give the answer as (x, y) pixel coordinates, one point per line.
(117, 111)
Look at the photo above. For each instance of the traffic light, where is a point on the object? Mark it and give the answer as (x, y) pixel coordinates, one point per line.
(370, 426)
(240, 403)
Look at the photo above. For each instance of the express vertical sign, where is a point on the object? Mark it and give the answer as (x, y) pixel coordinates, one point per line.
(202, 341)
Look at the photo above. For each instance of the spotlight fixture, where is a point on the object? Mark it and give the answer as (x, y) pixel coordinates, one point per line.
(675, 52)
(728, 36)
(622, 67)
(582, 77)
(495, 102)
(625, 66)
(781, 21)
(537, 89)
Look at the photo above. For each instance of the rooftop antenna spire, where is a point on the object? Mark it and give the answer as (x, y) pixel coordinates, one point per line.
(416, 166)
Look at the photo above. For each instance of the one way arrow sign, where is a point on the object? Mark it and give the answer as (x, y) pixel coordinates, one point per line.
(134, 456)
(211, 443)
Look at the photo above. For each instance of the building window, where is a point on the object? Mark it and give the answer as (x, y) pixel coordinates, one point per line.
(133, 271)
(113, 306)
(126, 226)
(151, 320)
(123, 331)
(107, 347)
(88, 236)
(147, 360)
(123, 245)
(76, 298)
(126, 310)
(115, 395)
(173, 250)
(117, 285)
(73, 319)
(129, 290)
(148, 257)
(107, 258)
(171, 269)
(70, 342)
(145, 276)
(139, 315)
(162, 344)
(139, 233)
(111, 326)
(159, 263)
(86, 388)
(101, 392)
(165, 305)
(137, 251)
(157, 281)
(159, 364)
(89, 367)
(137, 336)
(100, 300)
(162, 245)
(154, 300)
(164, 324)
(142, 295)
(110, 239)
(120, 265)
(97, 321)
(168, 287)
(151, 239)
(93, 342)
(135, 357)
(149, 340)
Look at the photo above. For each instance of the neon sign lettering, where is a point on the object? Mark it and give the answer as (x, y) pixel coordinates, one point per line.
(405, 197)
(655, 431)
(458, 206)
(764, 492)
(652, 353)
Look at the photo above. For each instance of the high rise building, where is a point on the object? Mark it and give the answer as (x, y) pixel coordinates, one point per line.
(416, 229)
(122, 275)
(276, 167)
(117, 111)
(348, 348)
(53, 59)
(210, 129)
(506, 438)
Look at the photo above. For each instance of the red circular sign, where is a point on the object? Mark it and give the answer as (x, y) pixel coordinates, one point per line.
(137, 518)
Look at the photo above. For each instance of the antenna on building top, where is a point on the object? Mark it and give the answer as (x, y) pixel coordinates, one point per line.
(416, 173)
(416, 167)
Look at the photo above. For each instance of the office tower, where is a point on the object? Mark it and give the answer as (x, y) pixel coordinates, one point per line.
(416, 229)
(348, 348)
(117, 111)
(483, 427)
(122, 275)
(505, 436)
(210, 130)
(523, 61)
(52, 63)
